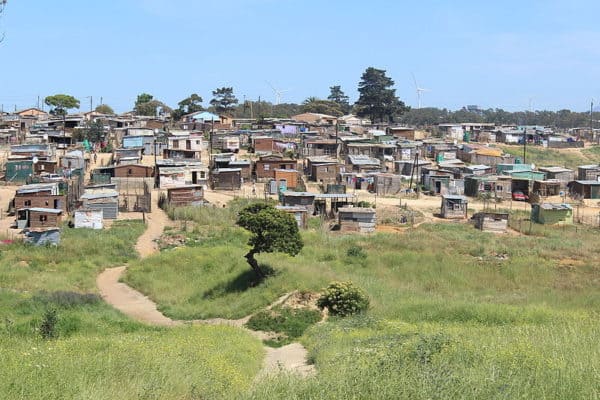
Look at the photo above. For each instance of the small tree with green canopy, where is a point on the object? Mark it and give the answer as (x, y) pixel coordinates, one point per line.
(224, 100)
(378, 100)
(60, 103)
(105, 109)
(272, 230)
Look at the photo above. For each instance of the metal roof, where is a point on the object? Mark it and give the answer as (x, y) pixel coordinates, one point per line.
(555, 206)
(454, 197)
(100, 195)
(46, 210)
(588, 182)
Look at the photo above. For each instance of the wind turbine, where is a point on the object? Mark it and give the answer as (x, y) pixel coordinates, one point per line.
(278, 93)
(419, 90)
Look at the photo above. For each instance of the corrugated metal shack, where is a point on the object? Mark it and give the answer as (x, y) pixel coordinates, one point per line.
(550, 213)
(226, 179)
(88, 218)
(106, 200)
(300, 214)
(386, 184)
(357, 219)
(491, 221)
(43, 236)
(454, 207)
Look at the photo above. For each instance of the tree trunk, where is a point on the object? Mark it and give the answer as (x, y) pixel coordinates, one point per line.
(254, 264)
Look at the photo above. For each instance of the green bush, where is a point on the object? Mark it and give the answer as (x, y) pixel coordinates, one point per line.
(343, 299)
(290, 322)
(48, 325)
(356, 251)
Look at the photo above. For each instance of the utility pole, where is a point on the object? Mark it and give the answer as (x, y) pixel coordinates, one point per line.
(210, 144)
(337, 127)
(592, 120)
(525, 146)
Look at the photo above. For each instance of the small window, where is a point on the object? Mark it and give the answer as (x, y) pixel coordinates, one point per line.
(130, 171)
(175, 144)
(43, 218)
(202, 175)
(27, 203)
(47, 203)
(267, 167)
(197, 142)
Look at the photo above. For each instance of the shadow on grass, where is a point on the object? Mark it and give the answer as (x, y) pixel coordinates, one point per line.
(244, 281)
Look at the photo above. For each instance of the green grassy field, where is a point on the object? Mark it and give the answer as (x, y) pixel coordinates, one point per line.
(543, 157)
(455, 313)
(100, 353)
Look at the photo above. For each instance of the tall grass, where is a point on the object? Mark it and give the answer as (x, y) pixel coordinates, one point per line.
(455, 313)
(374, 359)
(100, 353)
(214, 362)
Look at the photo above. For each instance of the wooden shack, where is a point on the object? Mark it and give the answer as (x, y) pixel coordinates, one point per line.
(133, 171)
(588, 172)
(266, 165)
(454, 207)
(190, 195)
(226, 179)
(550, 187)
(357, 219)
(585, 189)
(491, 221)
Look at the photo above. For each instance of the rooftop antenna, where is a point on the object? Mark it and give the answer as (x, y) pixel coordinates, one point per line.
(419, 90)
(278, 93)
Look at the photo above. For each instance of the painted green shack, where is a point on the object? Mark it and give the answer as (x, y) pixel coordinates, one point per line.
(551, 213)
(17, 171)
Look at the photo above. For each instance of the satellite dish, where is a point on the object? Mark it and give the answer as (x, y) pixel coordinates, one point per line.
(35, 160)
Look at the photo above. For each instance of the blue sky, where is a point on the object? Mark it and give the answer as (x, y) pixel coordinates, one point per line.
(504, 54)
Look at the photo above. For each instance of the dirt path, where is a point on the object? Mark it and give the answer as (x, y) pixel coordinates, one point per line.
(290, 358)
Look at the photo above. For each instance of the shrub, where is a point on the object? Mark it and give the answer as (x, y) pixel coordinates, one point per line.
(290, 322)
(49, 322)
(356, 251)
(343, 299)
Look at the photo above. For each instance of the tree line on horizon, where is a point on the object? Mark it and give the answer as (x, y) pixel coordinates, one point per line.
(377, 102)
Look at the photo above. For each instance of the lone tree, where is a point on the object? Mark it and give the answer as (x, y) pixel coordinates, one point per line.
(224, 100)
(377, 99)
(272, 230)
(338, 96)
(60, 103)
